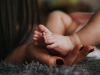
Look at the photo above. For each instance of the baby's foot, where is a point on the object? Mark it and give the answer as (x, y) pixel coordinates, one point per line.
(39, 40)
(61, 44)
(39, 36)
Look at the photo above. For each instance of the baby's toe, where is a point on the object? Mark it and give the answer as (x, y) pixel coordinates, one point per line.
(44, 29)
(35, 39)
(36, 32)
(35, 35)
(49, 39)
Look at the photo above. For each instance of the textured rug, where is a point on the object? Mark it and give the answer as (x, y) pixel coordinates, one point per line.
(88, 66)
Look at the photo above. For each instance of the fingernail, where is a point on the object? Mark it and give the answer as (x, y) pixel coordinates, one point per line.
(81, 48)
(59, 62)
(91, 50)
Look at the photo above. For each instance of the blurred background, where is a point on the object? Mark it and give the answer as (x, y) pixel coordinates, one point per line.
(68, 6)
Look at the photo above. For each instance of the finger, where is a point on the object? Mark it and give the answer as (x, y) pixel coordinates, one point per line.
(55, 61)
(84, 52)
(69, 59)
(44, 57)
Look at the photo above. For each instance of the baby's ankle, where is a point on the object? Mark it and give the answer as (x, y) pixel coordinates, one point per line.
(74, 39)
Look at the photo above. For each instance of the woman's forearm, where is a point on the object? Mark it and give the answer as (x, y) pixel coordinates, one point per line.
(18, 54)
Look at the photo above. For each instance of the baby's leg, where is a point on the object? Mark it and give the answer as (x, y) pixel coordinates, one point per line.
(60, 23)
(90, 34)
(58, 43)
(60, 28)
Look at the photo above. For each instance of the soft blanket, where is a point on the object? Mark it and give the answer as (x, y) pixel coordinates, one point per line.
(88, 66)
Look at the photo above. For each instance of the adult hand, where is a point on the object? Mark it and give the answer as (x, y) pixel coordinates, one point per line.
(77, 54)
(43, 56)
(31, 52)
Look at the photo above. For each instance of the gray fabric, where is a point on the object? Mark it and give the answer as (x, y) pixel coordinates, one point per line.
(88, 66)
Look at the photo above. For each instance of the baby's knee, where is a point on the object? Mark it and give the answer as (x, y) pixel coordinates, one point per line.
(55, 14)
(58, 13)
(61, 15)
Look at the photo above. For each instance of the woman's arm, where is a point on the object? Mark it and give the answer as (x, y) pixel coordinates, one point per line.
(18, 54)
(29, 52)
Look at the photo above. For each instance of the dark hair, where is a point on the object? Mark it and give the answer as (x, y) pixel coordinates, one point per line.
(17, 18)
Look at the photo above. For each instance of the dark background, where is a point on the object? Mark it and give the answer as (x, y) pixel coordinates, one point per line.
(68, 6)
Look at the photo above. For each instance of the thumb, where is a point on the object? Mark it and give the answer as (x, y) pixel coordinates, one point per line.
(55, 61)
(50, 60)
(43, 56)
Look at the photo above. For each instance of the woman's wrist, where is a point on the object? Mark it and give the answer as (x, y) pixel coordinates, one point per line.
(18, 54)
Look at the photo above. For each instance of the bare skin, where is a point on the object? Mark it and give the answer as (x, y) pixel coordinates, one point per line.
(30, 51)
(51, 41)
(59, 43)
(61, 23)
